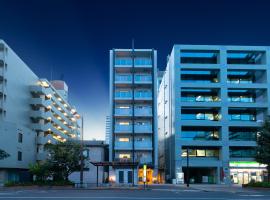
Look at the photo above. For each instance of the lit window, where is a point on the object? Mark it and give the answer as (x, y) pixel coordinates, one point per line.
(124, 123)
(124, 155)
(123, 139)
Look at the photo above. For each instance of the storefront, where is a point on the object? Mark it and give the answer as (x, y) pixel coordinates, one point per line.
(242, 172)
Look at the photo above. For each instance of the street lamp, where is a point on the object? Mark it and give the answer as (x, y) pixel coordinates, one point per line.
(187, 167)
(82, 157)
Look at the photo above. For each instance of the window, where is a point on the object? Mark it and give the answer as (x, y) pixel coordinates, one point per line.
(20, 137)
(124, 123)
(123, 139)
(19, 156)
(140, 139)
(121, 176)
(124, 156)
(200, 152)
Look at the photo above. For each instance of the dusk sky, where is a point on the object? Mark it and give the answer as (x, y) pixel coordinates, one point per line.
(73, 38)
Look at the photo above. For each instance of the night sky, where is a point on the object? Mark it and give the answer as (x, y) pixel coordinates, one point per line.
(73, 38)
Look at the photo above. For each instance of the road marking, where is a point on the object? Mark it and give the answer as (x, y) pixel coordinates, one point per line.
(176, 190)
(252, 195)
(128, 198)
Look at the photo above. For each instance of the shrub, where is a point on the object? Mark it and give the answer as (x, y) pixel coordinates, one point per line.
(259, 184)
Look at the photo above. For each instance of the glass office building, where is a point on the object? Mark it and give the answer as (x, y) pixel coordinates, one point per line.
(211, 101)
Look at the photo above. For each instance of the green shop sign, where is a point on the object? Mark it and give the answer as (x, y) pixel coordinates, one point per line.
(246, 164)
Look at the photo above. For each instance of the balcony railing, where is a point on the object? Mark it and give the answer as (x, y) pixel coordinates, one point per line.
(123, 145)
(123, 128)
(143, 95)
(123, 112)
(123, 95)
(143, 111)
(143, 79)
(123, 79)
(147, 145)
(143, 128)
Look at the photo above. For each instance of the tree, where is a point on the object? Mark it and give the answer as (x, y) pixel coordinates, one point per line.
(63, 159)
(263, 147)
(3, 154)
(40, 170)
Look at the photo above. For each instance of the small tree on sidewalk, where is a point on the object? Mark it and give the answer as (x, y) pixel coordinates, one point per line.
(263, 147)
(63, 159)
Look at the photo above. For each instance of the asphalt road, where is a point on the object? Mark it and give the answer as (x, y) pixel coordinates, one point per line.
(163, 193)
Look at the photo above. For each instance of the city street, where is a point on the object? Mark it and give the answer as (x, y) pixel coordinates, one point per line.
(155, 192)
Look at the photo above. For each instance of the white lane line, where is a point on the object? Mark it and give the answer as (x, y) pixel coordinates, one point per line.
(176, 190)
(252, 195)
(127, 198)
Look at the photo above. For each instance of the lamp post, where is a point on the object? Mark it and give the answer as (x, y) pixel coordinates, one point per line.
(82, 163)
(187, 167)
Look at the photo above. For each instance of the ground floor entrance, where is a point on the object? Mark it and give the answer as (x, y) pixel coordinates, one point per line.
(242, 172)
(148, 176)
(244, 176)
(201, 174)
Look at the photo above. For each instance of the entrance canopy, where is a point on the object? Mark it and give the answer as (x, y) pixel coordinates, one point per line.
(115, 164)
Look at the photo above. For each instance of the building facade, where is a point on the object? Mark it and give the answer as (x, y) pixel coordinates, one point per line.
(133, 137)
(211, 102)
(32, 112)
(95, 151)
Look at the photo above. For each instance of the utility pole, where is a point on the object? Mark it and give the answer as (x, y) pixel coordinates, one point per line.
(133, 110)
(82, 163)
(187, 166)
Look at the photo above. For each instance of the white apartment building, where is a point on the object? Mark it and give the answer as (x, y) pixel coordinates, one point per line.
(32, 113)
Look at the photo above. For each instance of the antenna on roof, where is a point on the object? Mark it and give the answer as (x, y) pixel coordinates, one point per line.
(132, 44)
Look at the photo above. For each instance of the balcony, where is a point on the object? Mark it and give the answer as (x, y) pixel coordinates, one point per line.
(143, 112)
(123, 79)
(143, 128)
(123, 128)
(41, 127)
(123, 62)
(123, 95)
(146, 145)
(40, 101)
(123, 146)
(143, 62)
(39, 114)
(143, 95)
(144, 159)
(143, 79)
(125, 112)
(40, 90)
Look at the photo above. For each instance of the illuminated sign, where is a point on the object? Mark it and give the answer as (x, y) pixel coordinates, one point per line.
(246, 164)
(144, 172)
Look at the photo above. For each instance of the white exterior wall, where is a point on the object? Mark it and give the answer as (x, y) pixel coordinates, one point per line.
(16, 119)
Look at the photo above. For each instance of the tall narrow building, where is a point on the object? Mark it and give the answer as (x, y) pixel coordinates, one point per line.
(211, 102)
(133, 137)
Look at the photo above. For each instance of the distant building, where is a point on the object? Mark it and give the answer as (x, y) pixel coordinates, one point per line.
(32, 113)
(133, 138)
(108, 130)
(97, 151)
(211, 102)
